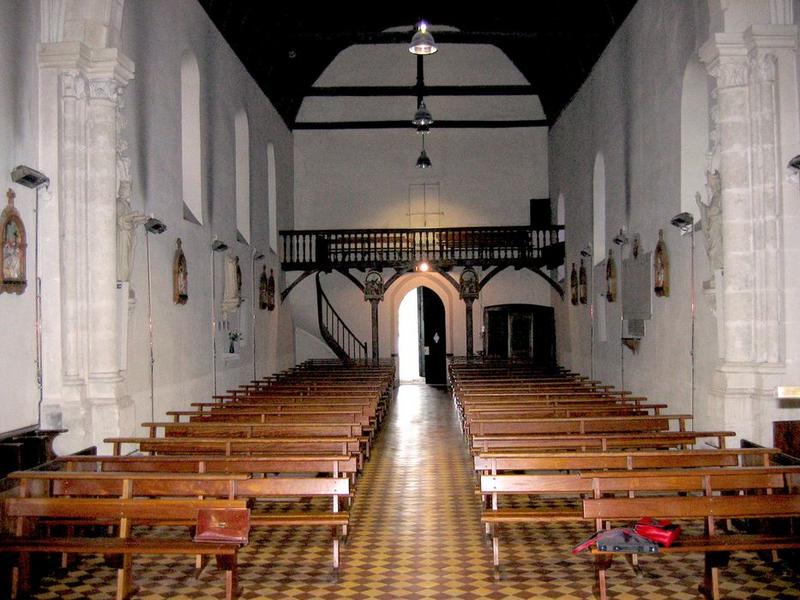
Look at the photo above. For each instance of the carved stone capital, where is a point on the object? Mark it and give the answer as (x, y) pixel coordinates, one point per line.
(73, 84)
(104, 89)
(766, 67)
(732, 73)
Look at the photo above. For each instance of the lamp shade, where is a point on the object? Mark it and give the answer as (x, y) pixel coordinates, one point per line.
(422, 42)
(423, 117)
(423, 162)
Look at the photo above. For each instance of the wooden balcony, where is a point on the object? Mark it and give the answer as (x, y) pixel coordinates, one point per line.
(309, 250)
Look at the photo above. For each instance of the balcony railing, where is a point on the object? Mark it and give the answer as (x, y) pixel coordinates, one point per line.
(448, 246)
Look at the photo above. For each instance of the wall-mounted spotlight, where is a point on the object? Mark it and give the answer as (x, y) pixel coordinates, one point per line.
(587, 251)
(683, 221)
(257, 255)
(29, 177)
(621, 238)
(794, 164)
(153, 225)
(218, 246)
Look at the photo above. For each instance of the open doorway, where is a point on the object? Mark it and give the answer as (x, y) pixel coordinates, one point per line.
(422, 339)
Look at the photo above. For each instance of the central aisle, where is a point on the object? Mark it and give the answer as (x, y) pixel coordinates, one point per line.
(415, 523)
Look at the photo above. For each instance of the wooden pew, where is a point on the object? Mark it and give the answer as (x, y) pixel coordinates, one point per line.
(715, 546)
(336, 465)
(79, 484)
(594, 441)
(492, 463)
(599, 484)
(237, 446)
(577, 425)
(126, 512)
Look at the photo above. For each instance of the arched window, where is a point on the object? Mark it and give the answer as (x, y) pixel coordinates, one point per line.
(242, 150)
(191, 156)
(272, 199)
(694, 135)
(599, 210)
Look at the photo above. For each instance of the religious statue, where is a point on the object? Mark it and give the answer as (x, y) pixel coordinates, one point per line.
(468, 288)
(711, 215)
(180, 276)
(230, 297)
(271, 291)
(238, 280)
(661, 267)
(262, 289)
(573, 285)
(583, 296)
(373, 286)
(127, 221)
(14, 245)
(611, 277)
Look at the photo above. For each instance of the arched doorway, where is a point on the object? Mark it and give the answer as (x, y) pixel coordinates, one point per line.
(422, 337)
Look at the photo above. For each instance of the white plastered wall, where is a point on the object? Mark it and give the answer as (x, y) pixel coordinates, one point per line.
(19, 145)
(155, 35)
(361, 178)
(630, 110)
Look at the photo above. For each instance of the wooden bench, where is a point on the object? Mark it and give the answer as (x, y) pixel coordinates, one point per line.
(335, 465)
(126, 512)
(594, 441)
(79, 484)
(492, 463)
(237, 446)
(715, 546)
(578, 425)
(576, 485)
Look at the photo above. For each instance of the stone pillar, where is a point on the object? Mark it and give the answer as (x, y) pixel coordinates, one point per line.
(101, 269)
(748, 141)
(80, 93)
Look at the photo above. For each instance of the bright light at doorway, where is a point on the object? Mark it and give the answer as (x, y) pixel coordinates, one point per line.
(408, 338)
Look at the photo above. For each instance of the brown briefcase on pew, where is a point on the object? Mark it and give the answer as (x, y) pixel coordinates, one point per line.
(231, 525)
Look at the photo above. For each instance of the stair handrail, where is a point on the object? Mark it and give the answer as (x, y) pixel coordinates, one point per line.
(350, 344)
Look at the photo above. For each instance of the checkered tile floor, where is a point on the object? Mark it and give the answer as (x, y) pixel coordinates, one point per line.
(416, 534)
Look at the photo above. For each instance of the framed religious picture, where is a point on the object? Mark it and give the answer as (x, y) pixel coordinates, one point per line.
(583, 296)
(611, 277)
(180, 276)
(271, 291)
(373, 286)
(661, 267)
(573, 285)
(13, 242)
(263, 283)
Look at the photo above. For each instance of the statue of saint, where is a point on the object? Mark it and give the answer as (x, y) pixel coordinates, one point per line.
(611, 277)
(127, 221)
(661, 267)
(12, 249)
(230, 297)
(711, 214)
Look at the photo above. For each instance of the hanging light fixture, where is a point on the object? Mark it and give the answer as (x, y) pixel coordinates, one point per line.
(423, 162)
(422, 43)
(423, 117)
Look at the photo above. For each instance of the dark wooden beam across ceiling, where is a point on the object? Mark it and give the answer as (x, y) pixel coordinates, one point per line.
(430, 90)
(451, 124)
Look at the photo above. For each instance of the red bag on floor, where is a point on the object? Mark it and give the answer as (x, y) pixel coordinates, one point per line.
(660, 532)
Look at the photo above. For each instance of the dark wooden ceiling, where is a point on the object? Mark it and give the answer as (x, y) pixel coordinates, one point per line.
(286, 46)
